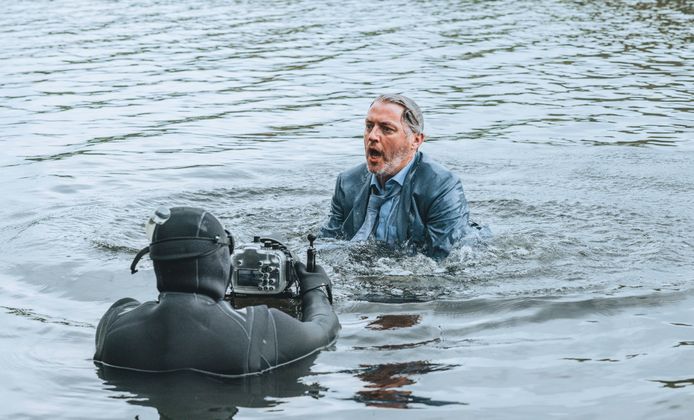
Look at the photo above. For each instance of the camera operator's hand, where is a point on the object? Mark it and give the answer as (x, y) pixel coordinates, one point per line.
(312, 280)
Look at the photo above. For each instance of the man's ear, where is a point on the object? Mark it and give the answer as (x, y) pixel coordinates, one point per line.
(417, 140)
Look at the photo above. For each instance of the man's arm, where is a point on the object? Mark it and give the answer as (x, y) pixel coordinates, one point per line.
(447, 220)
(333, 227)
(319, 327)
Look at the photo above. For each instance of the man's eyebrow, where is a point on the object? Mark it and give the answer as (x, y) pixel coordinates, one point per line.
(382, 123)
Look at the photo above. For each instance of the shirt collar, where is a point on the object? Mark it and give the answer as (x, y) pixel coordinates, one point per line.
(399, 177)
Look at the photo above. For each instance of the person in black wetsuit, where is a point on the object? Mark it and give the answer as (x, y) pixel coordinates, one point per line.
(192, 327)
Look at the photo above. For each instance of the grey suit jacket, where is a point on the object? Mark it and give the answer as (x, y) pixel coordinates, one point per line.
(431, 216)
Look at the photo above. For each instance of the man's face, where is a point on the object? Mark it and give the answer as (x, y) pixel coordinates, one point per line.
(388, 143)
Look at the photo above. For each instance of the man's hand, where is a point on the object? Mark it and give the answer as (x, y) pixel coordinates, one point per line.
(312, 280)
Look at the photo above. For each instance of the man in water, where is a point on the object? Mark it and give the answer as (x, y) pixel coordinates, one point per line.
(400, 196)
(192, 327)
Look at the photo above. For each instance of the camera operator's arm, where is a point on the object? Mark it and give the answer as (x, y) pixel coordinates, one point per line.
(316, 294)
(319, 326)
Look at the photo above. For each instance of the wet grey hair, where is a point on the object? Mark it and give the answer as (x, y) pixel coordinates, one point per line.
(411, 115)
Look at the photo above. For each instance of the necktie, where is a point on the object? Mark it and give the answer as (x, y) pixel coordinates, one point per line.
(373, 208)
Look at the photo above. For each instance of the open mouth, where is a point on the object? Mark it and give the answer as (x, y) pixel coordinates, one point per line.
(373, 153)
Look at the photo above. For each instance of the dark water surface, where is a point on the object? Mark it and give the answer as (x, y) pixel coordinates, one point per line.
(570, 123)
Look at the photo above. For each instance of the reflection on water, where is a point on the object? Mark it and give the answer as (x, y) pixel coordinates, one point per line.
(389, 322)
(30, 314)
(681, 383)
(384, 383)
(400, 346)
(580, 298)
(196, 396)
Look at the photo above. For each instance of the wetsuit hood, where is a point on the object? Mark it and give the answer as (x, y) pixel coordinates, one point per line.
(191, 252)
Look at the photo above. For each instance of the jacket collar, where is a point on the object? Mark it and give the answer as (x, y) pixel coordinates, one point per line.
(399, 177)
(361, 203)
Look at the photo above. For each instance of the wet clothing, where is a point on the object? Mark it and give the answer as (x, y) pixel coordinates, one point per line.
(382, 202)
(191, 326)
(431, 214)
(195, 332)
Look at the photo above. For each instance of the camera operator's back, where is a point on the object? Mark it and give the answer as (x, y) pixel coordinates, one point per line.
(191, 326)
(184, 331)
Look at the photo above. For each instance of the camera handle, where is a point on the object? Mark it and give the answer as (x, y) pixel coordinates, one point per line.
(311, 268)
(311, 254)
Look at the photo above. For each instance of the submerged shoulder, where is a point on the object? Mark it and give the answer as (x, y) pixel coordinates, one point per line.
(121, 305)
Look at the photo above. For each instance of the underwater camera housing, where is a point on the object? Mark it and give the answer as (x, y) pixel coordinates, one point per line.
(264, 267)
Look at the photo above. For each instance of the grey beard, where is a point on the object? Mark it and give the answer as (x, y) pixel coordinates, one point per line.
(390, 166)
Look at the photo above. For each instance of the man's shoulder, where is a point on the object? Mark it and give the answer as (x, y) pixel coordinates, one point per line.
(354, 177)
(430, 170)
(358, 171)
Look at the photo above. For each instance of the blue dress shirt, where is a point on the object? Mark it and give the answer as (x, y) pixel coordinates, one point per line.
(382, 202)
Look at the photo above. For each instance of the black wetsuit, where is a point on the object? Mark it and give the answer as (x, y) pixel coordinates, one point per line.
(195, 332)
(192, 327)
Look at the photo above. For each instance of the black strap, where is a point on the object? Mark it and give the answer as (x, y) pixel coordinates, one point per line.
(312, 283)
(217, 241)
(137, 259)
